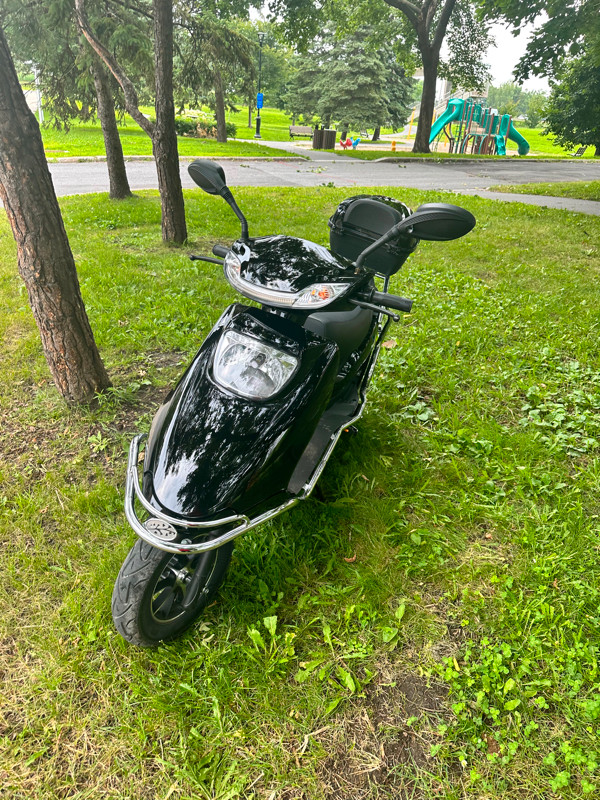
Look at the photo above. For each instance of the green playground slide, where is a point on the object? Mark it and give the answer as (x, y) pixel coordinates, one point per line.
(515, 136)
(452, 113)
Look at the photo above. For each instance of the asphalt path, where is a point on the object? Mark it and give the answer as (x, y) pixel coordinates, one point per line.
(464, 177)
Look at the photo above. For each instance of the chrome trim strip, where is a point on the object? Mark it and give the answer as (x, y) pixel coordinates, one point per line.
(308, 487)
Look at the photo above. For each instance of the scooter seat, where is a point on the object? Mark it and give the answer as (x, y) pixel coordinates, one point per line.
(347, 329)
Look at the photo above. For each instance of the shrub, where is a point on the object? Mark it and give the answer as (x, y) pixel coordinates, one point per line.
(185, 125)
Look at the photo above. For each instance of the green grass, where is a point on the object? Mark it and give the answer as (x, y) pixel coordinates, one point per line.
(580, 190)
(274, 124)
(542, 144)
(86, 140)
(372, 154)
(437, 610)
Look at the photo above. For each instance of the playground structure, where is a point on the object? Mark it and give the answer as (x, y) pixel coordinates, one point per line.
(472, 127)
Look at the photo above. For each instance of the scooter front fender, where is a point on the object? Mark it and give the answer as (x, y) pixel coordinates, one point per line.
(210, 451)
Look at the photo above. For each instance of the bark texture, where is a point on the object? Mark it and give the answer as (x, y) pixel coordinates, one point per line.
(117, 174)
(220, 107)
(45, 259)
(164, 140)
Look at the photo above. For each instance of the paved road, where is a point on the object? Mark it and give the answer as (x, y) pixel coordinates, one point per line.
(467, 177)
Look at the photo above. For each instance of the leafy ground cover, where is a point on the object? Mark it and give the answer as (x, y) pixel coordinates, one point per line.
(86, 140)
(427, 627)
(581, 190)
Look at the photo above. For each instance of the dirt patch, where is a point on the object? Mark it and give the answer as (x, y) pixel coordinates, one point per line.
(38, 428)
(382, 744)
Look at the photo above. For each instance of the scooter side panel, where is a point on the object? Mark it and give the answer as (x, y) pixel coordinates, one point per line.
(210, 450)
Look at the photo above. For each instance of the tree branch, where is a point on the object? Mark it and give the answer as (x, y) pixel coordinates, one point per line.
(412, 11)
(131, 98)
(442, 25)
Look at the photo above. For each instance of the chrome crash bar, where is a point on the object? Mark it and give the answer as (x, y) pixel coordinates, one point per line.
(133, 491)
(242, 523)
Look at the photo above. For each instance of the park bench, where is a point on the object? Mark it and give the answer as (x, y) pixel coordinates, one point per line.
(300, 130)
(580, 151)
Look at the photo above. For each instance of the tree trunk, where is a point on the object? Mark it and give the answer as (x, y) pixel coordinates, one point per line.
(164, 139)
(430, 24)
(117, 174)
(250, 114)
(430, 66)
(220, 107)
(163, 134)
(376, 133)
(44, 256)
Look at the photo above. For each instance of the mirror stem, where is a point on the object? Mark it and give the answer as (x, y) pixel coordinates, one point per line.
(229, 198)
(391, 234)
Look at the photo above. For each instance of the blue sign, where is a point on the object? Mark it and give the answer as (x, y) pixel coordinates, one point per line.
(259, 100)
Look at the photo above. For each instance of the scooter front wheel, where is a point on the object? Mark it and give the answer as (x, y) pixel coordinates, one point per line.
(158, 595)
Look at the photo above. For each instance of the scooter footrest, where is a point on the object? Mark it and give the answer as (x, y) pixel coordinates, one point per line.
(331, 422)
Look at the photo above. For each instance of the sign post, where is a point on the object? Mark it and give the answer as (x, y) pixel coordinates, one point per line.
(259, 95)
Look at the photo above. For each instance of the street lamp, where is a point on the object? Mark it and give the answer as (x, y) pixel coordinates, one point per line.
(259, 97)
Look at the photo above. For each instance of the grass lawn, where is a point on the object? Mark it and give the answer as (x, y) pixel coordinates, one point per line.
(274, 124)
(429, 627)
(86, 140)
(581, 190)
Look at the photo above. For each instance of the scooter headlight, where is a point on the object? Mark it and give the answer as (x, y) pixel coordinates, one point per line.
(250, 368)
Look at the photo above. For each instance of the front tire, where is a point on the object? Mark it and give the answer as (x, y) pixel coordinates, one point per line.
(152, 601)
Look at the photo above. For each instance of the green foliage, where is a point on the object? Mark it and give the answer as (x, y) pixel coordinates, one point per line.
(509, 98)
(216, 58)
(569, 28)
(185, 125)
(346, 81)
(467, 40)
(201, 126)
(47, 34)
(573, 110)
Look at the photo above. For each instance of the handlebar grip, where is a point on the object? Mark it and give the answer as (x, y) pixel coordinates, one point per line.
(220, 250)
(392, 301)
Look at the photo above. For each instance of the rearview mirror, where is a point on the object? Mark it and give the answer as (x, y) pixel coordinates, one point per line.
(208, 175)
(211, 177)
(434, 222)
(440, 222)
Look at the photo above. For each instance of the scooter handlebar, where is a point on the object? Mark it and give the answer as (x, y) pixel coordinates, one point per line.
(391, 301)
(220, 250)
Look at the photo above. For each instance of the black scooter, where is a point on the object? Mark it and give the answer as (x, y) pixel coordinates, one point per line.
(250, 426)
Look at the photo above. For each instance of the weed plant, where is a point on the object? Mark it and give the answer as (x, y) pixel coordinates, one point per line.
(426, 626)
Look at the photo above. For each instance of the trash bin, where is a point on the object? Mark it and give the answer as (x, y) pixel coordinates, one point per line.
(329, 139)
(317, 142)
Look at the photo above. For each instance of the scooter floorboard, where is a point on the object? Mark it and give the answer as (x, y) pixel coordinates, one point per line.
(337, 416)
